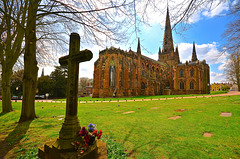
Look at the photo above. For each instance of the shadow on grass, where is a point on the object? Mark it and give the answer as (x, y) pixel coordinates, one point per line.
(14, 138)
(136, 147)
(1, 114)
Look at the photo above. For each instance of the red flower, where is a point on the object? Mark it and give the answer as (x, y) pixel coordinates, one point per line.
(83, 132)
(77, 143)
(95, 133)
(86, 138)
(99, 134)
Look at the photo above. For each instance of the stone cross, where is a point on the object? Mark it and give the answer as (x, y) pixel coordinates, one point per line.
(71, 126)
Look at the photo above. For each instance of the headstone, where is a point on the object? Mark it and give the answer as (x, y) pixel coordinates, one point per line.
(62, 147)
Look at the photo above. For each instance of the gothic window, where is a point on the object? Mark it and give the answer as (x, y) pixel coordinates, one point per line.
(142, 85)
(165, 42)
(181, 73)
(181, 85)
(191, 72)
(112, 76)
(165, 50)
(191, 85)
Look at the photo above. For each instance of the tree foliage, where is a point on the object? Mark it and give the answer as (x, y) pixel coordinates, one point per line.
(59, 80)
(45, 85)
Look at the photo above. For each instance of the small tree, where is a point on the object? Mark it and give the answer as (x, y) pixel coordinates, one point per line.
(59, 81)
(45, 85)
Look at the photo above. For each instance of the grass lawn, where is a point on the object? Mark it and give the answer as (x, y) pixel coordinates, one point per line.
(145, 133)
(143, 97)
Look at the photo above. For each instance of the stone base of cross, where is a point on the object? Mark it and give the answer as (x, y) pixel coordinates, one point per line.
(62, 147)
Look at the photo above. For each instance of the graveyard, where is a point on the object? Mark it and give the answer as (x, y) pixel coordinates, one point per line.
(182, 128)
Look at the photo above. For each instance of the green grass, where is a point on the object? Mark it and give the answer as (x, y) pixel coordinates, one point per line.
(146, 133)
(143, 97)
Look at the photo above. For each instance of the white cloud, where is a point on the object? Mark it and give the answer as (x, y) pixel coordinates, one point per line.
(217, 77)
(209, 52)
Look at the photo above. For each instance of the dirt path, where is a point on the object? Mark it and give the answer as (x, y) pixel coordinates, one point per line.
(231, 93)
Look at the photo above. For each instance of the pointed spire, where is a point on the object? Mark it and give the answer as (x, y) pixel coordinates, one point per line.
(139, 47)
(168, 40)
(159, 51)
(42, 72)
(194, 54)
(176, 51)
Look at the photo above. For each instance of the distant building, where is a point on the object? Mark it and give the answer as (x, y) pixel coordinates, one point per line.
(218, 86)
(119, 73)
(234, 87)
(85, 92)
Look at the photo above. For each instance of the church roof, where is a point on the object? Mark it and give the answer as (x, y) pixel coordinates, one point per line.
(147, 58)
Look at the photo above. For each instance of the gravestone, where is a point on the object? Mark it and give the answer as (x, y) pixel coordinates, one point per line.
(62, 147)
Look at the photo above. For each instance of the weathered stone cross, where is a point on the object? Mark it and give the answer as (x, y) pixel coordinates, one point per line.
(71, 126)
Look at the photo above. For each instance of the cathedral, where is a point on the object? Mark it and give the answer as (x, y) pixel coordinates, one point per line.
(119, 73)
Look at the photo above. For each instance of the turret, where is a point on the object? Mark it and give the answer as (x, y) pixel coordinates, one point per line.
(159, 53)
(177, 53)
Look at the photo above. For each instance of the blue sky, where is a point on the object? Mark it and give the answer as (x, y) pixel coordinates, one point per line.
(205, 28)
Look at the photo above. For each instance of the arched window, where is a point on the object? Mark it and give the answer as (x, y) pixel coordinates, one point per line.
(191, 85)
(192, 72)
(181, 73)
(181, 85)
(112, 76)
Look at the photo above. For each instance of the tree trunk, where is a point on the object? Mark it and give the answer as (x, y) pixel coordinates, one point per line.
(238, 70)
(30, 65)
(6, 93)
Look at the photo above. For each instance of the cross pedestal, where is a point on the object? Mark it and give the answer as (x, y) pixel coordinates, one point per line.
(62, 147)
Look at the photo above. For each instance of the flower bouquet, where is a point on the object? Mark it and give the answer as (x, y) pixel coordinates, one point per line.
(89, 138)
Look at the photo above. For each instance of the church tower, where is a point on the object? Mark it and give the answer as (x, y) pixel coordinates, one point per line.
(168, 55)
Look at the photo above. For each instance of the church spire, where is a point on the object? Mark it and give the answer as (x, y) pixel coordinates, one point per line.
(139, 47)
(42, 72)
(194, 55)
(168, 40)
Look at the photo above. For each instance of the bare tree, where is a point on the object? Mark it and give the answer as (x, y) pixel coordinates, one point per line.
(232, 33)
(83, 83)
(12, 29)
(232, 69)
(232, 46)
